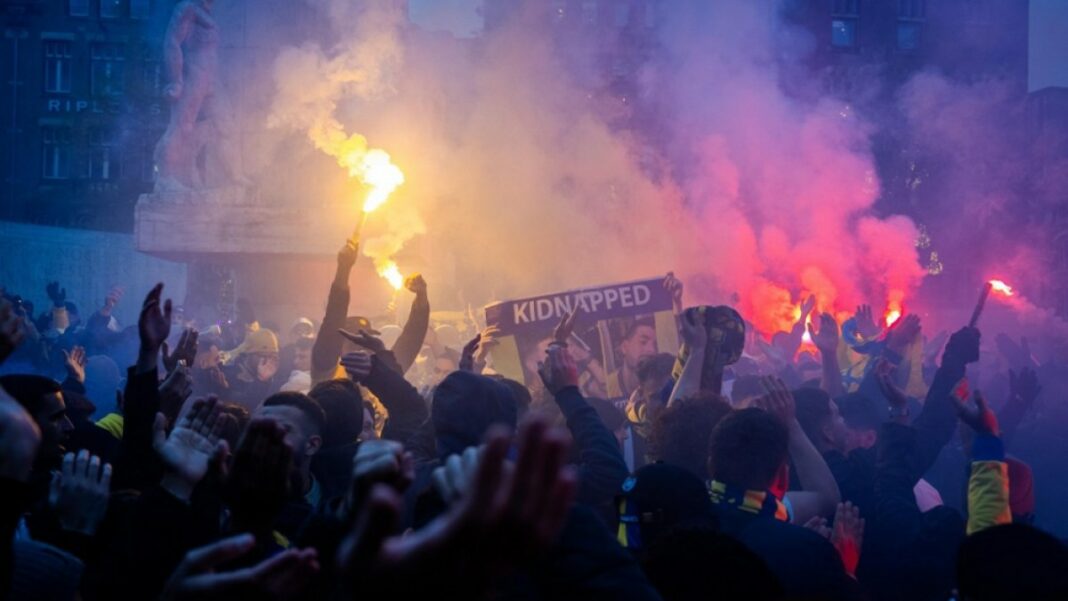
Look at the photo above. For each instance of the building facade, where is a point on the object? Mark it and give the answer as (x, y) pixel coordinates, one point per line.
(81, 107)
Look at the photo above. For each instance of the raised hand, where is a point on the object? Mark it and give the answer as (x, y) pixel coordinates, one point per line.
(11, 332)
(962, 348)
(153, 326)
(558, 371)
(778, 400)
(848, 535)
(379, 462)
(1024, 387)
(692, 329)
(365, 340)
(258, 484)
(507, 516)
(112, 299)
(57, 295)
(185, 351)
(283, 576)
(818, 524)
(884, 377)
(674, 287)
(488, 339)
(74, 361)
(174, 390)
(866, 324)
(903, 333)
(357, 365)
(192, 446)
(826, 338)
(79, 492)
(346, 256)
(452, 479)
(979, 418)
(807, 307)
(564, 329)
(415, 284)
(19, 438)
(467, 355)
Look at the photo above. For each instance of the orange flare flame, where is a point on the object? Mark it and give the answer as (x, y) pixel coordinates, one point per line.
(1001, 287)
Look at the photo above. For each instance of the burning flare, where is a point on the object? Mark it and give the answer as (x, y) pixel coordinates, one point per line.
(378, 173)
(892, 315)
(1001, 287)
(390, 272)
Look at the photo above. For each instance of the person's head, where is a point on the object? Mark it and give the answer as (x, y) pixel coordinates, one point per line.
(302, 328)
(681, 432)
(302, 419)
(820, 419)
(862, 417)
(746, 388)
(445, 364)
(696, 562)
(342, 402)
(748, 449)
(73, 318)
(657, 499)
(355, 323)
(43, 400)
(464, 408)
(521, 393)
(654, 371)
(639, 341)
(259, 354)
(1012, 561)
(209, 351)
(302, 352)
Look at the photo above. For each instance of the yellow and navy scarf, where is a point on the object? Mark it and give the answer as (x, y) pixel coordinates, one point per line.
(757, 502)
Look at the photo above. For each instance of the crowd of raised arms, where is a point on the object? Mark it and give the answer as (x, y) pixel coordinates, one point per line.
(150, 460)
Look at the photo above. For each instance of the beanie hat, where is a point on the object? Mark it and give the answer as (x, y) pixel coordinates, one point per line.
(465, 405)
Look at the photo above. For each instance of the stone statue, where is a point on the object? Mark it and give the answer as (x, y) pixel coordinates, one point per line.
(193, 152)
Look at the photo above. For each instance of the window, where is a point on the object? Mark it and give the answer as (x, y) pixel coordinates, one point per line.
(112, 9)
(146, 163)
(152, 77)
(57, 66)
(910, 18)
(108, 61)
(103, 156)
(589, 12)
(79, 8)
(55, 152)
(844, 17)
(140, 9)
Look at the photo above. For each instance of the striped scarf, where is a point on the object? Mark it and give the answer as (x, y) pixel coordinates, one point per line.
(757, 502)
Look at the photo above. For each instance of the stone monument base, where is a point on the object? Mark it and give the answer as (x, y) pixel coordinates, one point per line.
(281, 258)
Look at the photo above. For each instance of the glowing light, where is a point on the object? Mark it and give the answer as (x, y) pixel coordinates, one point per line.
(1001, 287)
(892, 316)
(806, 337)
(391, 273)
(379, 174)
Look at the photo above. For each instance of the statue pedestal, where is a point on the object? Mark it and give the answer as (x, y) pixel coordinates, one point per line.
(281, 258)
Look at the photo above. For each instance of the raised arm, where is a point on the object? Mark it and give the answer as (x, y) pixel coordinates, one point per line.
(327, 348)
(410, 341)
(820, 496)
(695, 336)
(826, 340)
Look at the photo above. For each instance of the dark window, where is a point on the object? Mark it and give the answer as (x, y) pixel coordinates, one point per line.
(79, 8)
(140, 9)
(55, 152)
(910, 18)
(108, 62)
(103, 156)
(57, 61)
(112, 9)
(844, 17)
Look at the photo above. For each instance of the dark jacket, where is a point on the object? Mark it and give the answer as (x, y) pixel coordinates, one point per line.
(806, 564)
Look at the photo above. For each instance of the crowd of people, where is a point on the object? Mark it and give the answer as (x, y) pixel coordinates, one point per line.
(179, 460)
